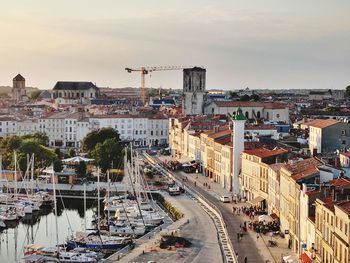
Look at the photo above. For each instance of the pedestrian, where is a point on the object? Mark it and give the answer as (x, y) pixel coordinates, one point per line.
(257, 236)
(195, 183)
(238, 236)
(245, 259)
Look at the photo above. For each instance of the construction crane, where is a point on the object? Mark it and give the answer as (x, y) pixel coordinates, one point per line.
(145, 70)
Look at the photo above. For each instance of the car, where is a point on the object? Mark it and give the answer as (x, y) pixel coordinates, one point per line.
(225, 199)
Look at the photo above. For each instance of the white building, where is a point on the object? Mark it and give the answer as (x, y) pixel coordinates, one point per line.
(8, 126)
(251, 110)
(27, 126)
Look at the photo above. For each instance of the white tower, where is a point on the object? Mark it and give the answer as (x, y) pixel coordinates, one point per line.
(194, 90)
(238, 147)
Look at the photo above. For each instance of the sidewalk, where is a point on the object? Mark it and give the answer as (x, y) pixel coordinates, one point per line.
(269, 254)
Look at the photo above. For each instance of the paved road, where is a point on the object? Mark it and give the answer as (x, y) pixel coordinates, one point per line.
(204, 249)
(247, 246)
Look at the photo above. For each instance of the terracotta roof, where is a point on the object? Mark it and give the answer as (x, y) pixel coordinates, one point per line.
(263, 152)
(312, 193)
(347, 154)
(276, 166)
(267, 105)
(260, 127)
(323, 123)
(220, 134)
(224, 140)
(303, 169)
(345, 206)
(340, 182)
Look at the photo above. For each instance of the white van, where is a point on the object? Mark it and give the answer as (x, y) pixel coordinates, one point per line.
(225, 199)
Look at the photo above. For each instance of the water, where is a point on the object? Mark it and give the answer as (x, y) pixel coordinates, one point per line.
(41, 228)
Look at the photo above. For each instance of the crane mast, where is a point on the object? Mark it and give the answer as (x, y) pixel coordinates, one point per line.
(145, 70)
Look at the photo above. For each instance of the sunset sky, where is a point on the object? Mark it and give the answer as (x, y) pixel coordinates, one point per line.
(275, 44)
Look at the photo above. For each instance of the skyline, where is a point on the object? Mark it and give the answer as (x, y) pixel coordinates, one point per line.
(256, 45)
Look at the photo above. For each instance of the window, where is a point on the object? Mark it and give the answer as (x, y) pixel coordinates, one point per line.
(343, 142)
(343, 132)
(277, 115)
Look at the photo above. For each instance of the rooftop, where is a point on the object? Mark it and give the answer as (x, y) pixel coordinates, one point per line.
(323, 123)
(303, 169)
(74, 85)
(345, 206)
(19, 77)
(263, 152)
(266, 105)
(340, 182)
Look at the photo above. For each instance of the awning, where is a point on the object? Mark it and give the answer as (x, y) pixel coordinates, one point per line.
(305, 258)
(256, 200)
(274, 216)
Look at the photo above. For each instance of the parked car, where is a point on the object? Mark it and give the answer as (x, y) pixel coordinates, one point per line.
(225, 199)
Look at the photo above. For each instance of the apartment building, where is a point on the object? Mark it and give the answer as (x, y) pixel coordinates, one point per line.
(254, 173)
(8, 126)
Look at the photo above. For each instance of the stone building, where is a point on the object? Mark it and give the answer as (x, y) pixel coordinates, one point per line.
(71, 92)
(19, 92)
(194, 90)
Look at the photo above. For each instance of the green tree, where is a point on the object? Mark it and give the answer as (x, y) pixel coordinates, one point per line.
(245, 98)
(347, 91)
(35, 94)
(58, 153)
(255, 97)
(71, 152)
(57, 165)
(80, 169)
(108, 152)
(232, 94)
(99, 136)
(39, 137)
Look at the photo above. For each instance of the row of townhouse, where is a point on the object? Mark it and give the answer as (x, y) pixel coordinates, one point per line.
(211, 144)
(308, 197)
(207, 142)
(69, 129)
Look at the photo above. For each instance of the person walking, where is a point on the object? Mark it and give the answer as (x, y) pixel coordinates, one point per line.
(245, 259)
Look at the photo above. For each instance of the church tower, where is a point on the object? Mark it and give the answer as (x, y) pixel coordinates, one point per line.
(19, 88)
(194, 90)
(238, 147)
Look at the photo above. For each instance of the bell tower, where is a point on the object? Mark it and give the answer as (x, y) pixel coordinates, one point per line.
(19, 88)
(193, 90)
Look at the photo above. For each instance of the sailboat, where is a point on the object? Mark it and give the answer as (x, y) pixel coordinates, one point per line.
(96, 240)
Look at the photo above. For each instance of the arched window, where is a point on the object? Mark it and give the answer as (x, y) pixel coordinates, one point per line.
(267, 115)
(258, 114)
(247, 114)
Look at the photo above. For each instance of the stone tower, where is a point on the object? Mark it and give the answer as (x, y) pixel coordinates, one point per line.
(238, 147)
(19, 88)
(194, 90)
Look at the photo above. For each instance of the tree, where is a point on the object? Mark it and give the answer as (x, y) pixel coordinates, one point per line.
(71, 152)
(108, 152)
(35, 94)
(255, 97)
(80, 169)
(57, 165)
(99, 136)
(39, 137)
(58, 153)
(24, 146)
(245, 97)
(347, 91)
(232, 94)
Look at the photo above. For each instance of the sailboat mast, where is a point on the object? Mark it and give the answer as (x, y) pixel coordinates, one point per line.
(98, 198)
(84, 207)
(55, 207)
(108, 180)
(15, 173)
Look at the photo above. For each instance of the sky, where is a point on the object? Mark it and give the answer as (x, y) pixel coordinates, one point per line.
(260, 44)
